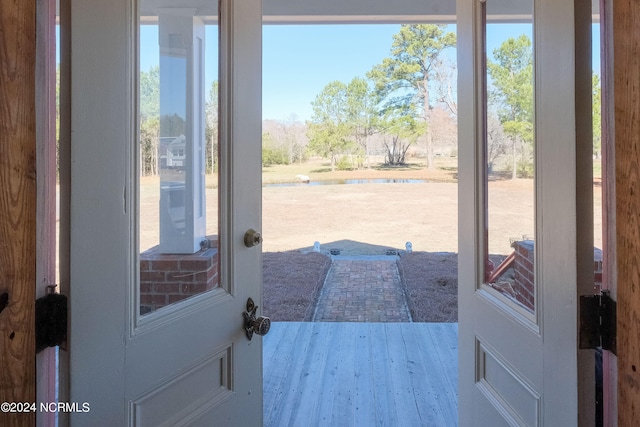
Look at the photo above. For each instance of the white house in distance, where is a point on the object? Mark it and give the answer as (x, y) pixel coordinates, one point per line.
(172, 152)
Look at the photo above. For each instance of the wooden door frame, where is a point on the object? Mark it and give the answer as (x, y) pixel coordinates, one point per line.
(18, 207)
(27, 211)
(626, 94)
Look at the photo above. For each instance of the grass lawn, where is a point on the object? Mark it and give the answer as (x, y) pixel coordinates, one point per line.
(446, 170)
(320, 170)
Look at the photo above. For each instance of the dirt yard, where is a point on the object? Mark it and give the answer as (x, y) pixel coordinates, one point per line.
(368, 219)
(387, 215)
(376, 218)
(392, 214)
(292, 283)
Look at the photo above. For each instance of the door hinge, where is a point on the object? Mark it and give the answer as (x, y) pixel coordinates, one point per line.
(598, 322)
(51, 320)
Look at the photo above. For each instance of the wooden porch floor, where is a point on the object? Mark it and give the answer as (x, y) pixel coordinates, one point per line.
(361, 374)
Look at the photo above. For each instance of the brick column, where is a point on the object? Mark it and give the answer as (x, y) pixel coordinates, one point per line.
(169, 278)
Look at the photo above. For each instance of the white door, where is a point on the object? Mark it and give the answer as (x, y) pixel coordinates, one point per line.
(520, 276)
(156, 320)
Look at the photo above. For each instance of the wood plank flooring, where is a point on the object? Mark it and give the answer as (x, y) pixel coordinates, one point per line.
(361, 374)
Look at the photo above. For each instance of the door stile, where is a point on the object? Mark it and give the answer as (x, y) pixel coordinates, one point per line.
(566, 203)
(609, 271)
(64, 167)
(470, 164)
(100, 120)
(584, 199)
(241, 170)
(46, 375)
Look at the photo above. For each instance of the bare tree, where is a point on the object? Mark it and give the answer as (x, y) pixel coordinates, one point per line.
(288, 134)
(444, 131)
(211, 118)
(404, 130)
(445, 78)
(149, 146)
(497, 142)
(396, 152)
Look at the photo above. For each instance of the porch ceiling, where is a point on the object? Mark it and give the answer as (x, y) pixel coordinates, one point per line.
(351, 11)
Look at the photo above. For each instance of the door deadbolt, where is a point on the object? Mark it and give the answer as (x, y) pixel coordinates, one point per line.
(253, 325)
(252, 238)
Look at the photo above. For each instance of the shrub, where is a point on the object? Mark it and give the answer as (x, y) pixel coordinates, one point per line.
(274, 156)
(525, 169)
(344, 164)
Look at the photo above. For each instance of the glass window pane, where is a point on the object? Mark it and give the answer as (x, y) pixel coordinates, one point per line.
(178, 139)
(509, 152)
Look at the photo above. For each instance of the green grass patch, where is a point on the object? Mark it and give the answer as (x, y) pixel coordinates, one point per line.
(320, 170)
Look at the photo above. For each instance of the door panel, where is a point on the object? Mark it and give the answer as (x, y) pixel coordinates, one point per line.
(510, 394)
(189, 361)
(521, 365)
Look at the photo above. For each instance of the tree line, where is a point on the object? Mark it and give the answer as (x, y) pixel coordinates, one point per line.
(394, 101)
(401, 102)
(510, 121)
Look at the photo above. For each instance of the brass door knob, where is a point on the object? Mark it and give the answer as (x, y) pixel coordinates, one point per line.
(253, 325)
(261, 325)
(252, 238)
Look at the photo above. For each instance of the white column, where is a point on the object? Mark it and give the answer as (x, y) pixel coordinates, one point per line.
(182, 134)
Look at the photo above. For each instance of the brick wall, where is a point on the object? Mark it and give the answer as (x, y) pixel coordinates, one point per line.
(524, 272)
(168, 278)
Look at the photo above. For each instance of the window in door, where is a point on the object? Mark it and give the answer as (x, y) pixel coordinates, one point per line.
(509, 153)
(178, 156)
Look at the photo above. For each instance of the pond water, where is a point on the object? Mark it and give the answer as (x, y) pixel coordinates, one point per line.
(349, 181)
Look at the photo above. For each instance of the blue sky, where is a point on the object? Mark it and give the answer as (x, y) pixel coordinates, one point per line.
(299, 60)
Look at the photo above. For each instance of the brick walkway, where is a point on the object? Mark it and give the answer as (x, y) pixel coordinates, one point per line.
(362, 290)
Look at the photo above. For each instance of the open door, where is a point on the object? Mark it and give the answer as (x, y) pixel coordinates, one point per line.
(165, 165)
(519, 289)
